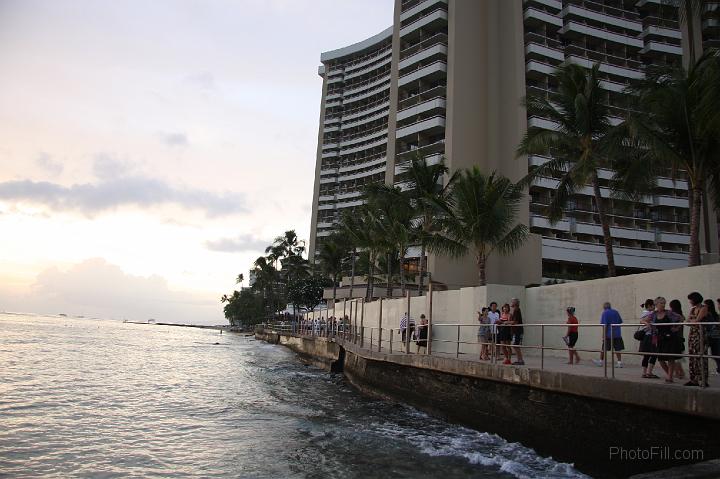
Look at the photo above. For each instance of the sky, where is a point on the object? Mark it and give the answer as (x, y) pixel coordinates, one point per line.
(149, 151)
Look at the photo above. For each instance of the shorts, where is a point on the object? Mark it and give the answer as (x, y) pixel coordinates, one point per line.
(572, 339)
(617, 344)
(517, 339)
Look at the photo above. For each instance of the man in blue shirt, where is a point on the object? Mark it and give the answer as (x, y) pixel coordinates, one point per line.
(612, 335)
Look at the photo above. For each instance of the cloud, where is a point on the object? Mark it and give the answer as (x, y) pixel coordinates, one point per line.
(46, 162)
(106, 166)
(110, 194)
(175, 139)
(242, 243)
(97, 288)
(204, 81)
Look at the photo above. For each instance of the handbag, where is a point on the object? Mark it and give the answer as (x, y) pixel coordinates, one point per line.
(639, 334)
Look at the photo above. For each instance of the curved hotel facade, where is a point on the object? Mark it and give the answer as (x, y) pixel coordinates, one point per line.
(447, 80)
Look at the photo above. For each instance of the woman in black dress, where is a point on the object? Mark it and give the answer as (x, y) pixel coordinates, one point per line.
(668, 335)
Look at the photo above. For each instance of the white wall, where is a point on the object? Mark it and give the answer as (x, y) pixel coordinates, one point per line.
(542, 305)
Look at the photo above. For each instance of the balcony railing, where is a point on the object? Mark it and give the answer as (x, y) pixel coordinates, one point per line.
(438, 38)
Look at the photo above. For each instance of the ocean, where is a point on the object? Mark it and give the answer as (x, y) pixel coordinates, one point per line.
(105, 399)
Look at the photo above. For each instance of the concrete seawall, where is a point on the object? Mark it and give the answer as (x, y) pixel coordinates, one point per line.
(572, 418)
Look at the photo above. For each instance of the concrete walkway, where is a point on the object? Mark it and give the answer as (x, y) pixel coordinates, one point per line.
(631, 370)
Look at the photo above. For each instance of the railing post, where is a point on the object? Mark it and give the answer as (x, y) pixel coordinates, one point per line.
(347, 326)
(343, 318)
(391, 338)
(407, 326)
(703, 379)
(428, 350)
(542, 347)
(362, 325)
(612, 351)
(380, 323)
(604, 352)
(457, 349)
(493, 335)
(371, 330)
(379, 339)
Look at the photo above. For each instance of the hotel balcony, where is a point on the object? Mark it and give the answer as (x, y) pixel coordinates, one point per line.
(429, 105)
(536, 16)
(434, 19)
(435, 70)
(602, 14)
(573, 28)
(661, 48)
(430, 125)
(594, 253)
(418, 8)
(438, 51)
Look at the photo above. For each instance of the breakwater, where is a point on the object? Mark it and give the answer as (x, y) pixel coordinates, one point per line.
(591, 421)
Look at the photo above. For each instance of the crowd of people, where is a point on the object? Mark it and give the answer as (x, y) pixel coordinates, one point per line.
(662, 338)
(664, 335)
(504, 329)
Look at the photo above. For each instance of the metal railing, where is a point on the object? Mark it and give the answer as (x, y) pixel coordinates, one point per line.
(393, 341)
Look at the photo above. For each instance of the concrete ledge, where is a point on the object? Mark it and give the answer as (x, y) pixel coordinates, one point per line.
(692, 401)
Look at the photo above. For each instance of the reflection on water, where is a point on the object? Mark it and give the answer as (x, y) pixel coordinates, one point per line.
(92, 398)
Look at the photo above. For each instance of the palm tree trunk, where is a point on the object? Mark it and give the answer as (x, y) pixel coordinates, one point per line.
(695, 207)
(402, 274)
(334, 288)
(371, 271)
(481, 260)
(422, 268)
(389, 276)
(352, 272)
(607, 239)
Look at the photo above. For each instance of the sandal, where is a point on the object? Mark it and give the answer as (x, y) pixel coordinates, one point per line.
(653, 376)
(646, 376)
(691, 383)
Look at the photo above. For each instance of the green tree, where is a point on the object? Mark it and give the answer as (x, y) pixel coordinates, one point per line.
(482, 219)
(333, 251)
(349, 229)
(577, 146)
(393, 226)
(674, 127)
(307, 292)
(243, 307)
(428, 192)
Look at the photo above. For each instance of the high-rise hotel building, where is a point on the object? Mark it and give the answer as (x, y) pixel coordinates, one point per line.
(447, 80)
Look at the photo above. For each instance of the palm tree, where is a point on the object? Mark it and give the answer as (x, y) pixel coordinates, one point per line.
(265, 277)
(349, 228)
(331, 255)
(483, 219)
(393, 226)
(359, 227)
(576, 146)
(240, 279)
(428, 196)
(675, 126)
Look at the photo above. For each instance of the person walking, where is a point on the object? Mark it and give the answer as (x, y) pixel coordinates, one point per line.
(665, 322)
(484, 333)
(612, 335)
(503, 333)
(696, 342)
(493, 318)
(676, 307)
(516, 330)
(713, 333)
(648, 340)
(572, 335)
(422, 334)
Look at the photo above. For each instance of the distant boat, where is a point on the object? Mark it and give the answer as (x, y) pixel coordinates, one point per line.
(63, 315)
(151, 321)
